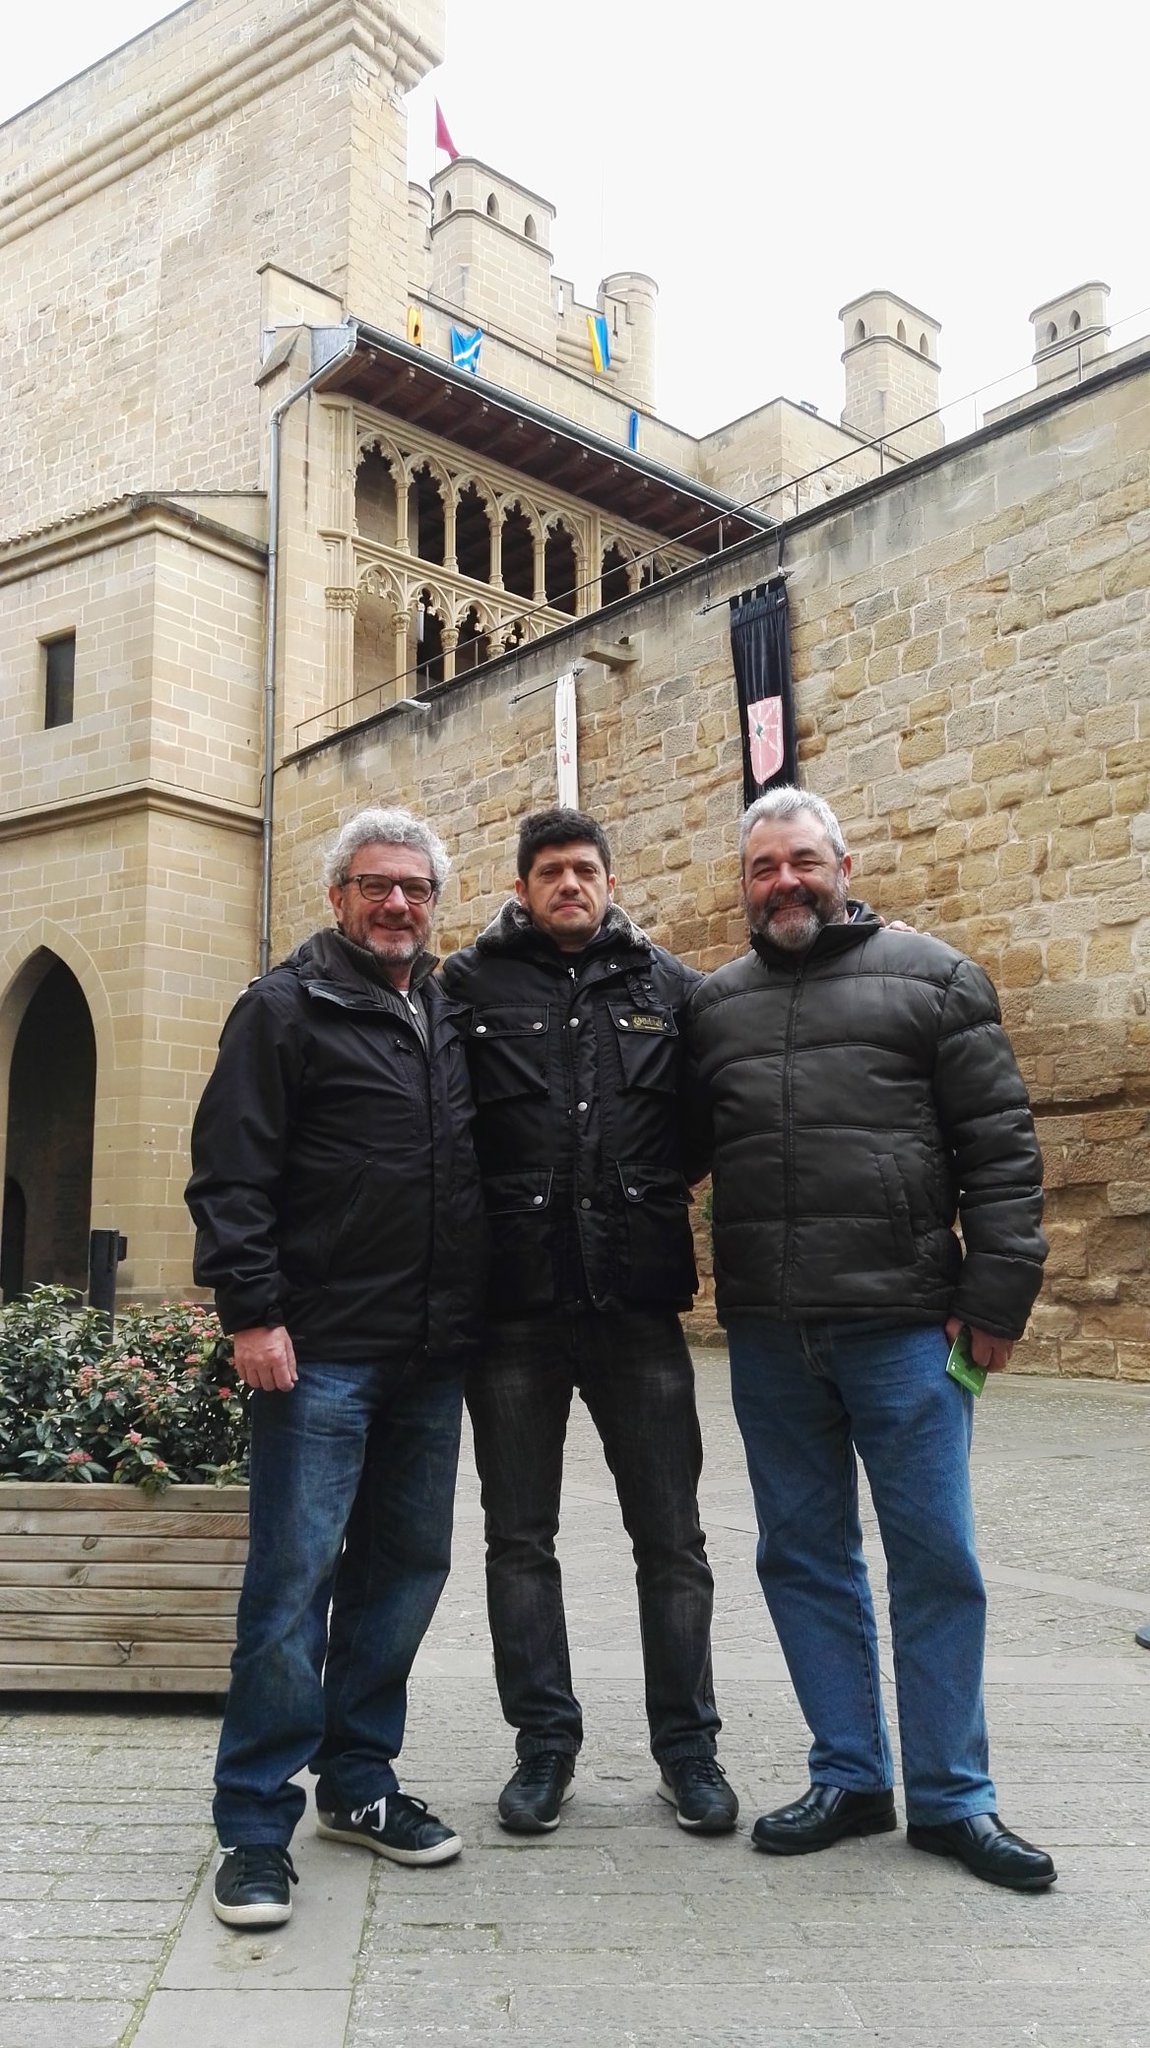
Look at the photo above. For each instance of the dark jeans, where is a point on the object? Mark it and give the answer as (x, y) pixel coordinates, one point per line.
(370, 1451)
(633, 1371)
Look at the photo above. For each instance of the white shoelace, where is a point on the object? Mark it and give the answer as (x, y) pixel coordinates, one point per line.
(378, 1807)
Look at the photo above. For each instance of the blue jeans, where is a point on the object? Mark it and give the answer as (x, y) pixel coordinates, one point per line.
(634, 1373)
(808, 1398)
(368, 1452)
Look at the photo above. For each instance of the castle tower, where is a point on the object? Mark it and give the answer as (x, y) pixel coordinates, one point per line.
(1070, 330)
(419, 216)
(635, 294)
(891, 361)
(491, 252)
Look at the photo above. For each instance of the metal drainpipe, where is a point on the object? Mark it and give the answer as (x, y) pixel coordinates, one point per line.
(271, 634)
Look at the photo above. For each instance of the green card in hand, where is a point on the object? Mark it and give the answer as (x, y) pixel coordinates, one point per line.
(961, 1366)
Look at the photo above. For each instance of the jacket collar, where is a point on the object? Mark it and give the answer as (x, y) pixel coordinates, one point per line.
(512, 932)
(861, 923)
(327, 958)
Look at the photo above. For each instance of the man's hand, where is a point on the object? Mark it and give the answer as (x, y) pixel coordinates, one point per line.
(265, 1359)
(992, 1352)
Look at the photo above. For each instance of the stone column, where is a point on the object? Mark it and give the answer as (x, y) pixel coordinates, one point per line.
(402, 507)
(450, 560)
(342, 604)
(450, 643)
(404, 626)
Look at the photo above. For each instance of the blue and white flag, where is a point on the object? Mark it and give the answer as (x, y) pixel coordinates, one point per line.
(633, 431)
(465, 349)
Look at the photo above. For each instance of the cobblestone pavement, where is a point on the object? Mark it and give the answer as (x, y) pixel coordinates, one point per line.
(620, 1931)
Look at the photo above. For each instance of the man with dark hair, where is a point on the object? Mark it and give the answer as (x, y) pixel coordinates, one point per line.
(576, 1065)
(864, 1098)
(339, 1220)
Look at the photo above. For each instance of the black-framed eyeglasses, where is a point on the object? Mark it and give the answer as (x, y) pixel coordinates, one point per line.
(377, 888)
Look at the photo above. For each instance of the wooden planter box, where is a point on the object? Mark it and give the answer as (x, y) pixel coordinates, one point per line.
(103, 1589)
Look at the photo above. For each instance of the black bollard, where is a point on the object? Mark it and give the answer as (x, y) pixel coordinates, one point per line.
(105, 1250)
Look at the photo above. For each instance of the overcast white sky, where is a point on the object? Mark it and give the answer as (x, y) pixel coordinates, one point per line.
(765, 164)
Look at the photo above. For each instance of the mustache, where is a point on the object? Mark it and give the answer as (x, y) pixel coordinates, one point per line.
(799, 898)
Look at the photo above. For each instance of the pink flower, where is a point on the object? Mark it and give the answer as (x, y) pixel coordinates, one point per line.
(77, 1458)
(134, 1437)
(225, 1393)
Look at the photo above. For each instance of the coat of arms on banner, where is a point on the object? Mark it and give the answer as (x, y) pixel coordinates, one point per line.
(765, 736)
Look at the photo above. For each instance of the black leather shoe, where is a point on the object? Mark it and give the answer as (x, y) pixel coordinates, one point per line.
(990, 1850)
(823, 1815)
(533, 1798)
(1142, 1636)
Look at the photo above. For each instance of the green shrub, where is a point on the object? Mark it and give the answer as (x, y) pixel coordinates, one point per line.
(157, 1406)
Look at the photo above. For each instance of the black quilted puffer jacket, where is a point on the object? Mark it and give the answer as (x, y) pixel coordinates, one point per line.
(863, 1099)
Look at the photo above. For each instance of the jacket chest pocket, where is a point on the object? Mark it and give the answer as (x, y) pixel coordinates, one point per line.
(507, 1052)
(648, 1043)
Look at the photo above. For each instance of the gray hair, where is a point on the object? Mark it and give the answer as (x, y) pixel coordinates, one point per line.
(388, 828)
(785, 802)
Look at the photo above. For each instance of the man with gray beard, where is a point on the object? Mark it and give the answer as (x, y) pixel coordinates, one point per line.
(864, 1098)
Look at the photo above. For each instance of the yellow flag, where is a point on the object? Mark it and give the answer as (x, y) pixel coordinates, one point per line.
(415, 326)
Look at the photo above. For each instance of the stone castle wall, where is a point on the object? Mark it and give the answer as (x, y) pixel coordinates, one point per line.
(972, 669)
(140, 202)
(129, 838)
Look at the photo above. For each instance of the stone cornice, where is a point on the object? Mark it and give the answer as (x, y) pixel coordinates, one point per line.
(315, 29)
(109, 525)
(97, 806)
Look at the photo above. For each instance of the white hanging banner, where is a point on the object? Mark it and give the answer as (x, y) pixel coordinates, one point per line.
(566, 741)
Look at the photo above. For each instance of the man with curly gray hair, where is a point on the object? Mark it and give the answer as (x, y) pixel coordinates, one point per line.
(336, 1198)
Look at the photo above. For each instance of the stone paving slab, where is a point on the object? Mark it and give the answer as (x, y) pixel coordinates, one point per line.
(620, 1930)
(222, 2018)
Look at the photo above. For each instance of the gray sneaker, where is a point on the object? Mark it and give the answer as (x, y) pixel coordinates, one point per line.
(1142, 1635)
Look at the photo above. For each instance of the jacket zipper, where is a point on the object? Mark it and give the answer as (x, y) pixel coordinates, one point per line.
(788, 1136)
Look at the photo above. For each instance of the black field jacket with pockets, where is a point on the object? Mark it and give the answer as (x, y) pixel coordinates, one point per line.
(334, 1185)
(862, 1096)
(577, 1070)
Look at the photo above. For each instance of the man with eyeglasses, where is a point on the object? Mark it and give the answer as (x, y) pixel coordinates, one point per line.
(336, 1198)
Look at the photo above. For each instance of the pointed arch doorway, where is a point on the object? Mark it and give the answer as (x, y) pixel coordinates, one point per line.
(51, 1116)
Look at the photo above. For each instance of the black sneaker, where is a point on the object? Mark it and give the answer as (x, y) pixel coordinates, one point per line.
(530, 1802)
(396, 1826)
(252, 1887)
(698, 1790)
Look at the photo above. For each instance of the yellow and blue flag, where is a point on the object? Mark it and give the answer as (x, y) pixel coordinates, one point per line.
(600, 342)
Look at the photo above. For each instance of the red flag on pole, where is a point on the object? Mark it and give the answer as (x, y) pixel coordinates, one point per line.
(443, 134)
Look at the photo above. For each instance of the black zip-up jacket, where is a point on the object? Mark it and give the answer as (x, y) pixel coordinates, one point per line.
(577, 1070)
(334, 1185)
(862, 1096)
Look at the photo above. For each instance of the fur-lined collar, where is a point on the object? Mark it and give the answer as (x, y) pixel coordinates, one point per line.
(511, 927)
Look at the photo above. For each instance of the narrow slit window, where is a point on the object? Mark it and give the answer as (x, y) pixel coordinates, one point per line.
(59, 679)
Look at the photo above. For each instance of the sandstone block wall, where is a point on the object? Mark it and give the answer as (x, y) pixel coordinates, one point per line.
(972, 669)
(153, 912)
(140, 201)
(129, 838)
(169, 633)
